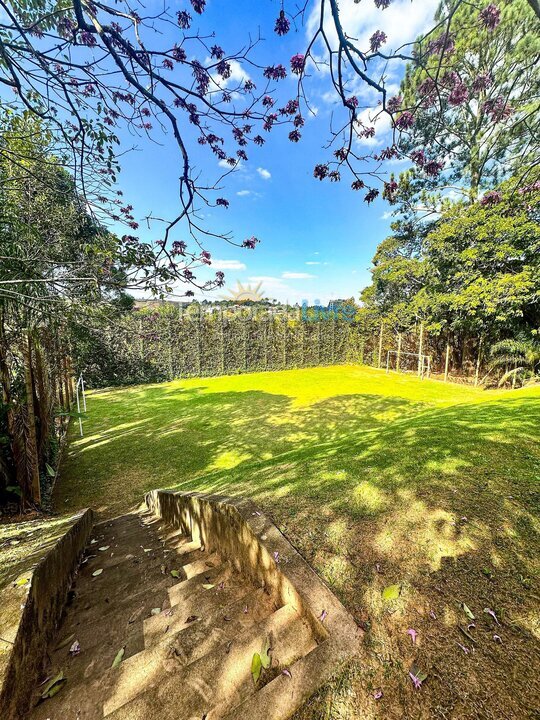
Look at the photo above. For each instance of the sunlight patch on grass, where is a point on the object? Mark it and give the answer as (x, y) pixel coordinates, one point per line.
(228, 460)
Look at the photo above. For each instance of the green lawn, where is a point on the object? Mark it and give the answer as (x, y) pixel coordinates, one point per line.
(377, 480)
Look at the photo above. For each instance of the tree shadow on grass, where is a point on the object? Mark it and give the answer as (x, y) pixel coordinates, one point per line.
(372, 490)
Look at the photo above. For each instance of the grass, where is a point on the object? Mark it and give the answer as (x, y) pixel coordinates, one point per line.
(377, 480)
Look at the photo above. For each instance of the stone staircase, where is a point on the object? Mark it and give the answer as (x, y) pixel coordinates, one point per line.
(186, 619)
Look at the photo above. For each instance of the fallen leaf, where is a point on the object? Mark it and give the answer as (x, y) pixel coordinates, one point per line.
(246, 610)
(432, 615)
(378, 694)
(467, 611)
(97, 572)
(155, 611)
(286, 672)
(175, 573)
(392, 592)
(466, 633)
(65, 642)
(412, 632)
(53, 686)
(265, 657)
(22, 581)
(256, 667)
(276, 556)
(147, 549)
(489, 611)
(119, 657)
(208, 586)
(104, 547)
(323, 616)
(192, 618)
(228, 647)
(75, 649)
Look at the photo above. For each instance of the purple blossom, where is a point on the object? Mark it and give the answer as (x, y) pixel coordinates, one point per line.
(390, 190)
(179, 247)
(492, 197)
(168, 64)
(268, 101)
(258, 140)
(145, 111)
(418, 157)
(370, 196)
(298, 121)
(352, 102)
(290, 108)
(275, 72)
(241, 154)
(179, 54)
(88, 39)
(249, 85)
(432, 168)
(224, 69)
(220, 278)
(533, 187)
(66, 26)
(184, 19)
(394, 103)
(490, 16)
(216, 52)
(198, 6)
(341, 154)
(382, 4)
(226, 97)
(377, 40)
(206, 257)
(497, 109)
(269, 121)
(417, 682)
(405, 120)
(320, 171)
(428, 91)
(250, 243)
(459, 94)
(294, 136)
(282, 24)
(358, 185)
(297, 63)
(443, 44)
(201, 77)
(334, 176)
(482, 82)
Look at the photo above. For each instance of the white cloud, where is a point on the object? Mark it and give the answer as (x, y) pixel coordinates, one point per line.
(227, 265)
(402, 22)
(297, 276)
(387, 215)
(313, 262)
(224, 164)
(265, 174)
(243, 193)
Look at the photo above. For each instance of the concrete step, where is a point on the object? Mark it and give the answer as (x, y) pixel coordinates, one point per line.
(220, 680)
(146, 669)
(197, 603)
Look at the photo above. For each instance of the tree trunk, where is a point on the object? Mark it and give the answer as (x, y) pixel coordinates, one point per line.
(32, 457)
(15, 439)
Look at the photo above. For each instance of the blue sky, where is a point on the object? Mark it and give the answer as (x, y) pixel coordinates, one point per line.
(317, 239)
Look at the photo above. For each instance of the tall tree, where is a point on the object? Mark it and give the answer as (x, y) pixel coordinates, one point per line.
(476, 100)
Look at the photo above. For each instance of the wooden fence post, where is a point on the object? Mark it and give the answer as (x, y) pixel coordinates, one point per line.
(380, 345)
(32, 457)
(398, 357)
(447, 360)
(477, 371)
(420, 349)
